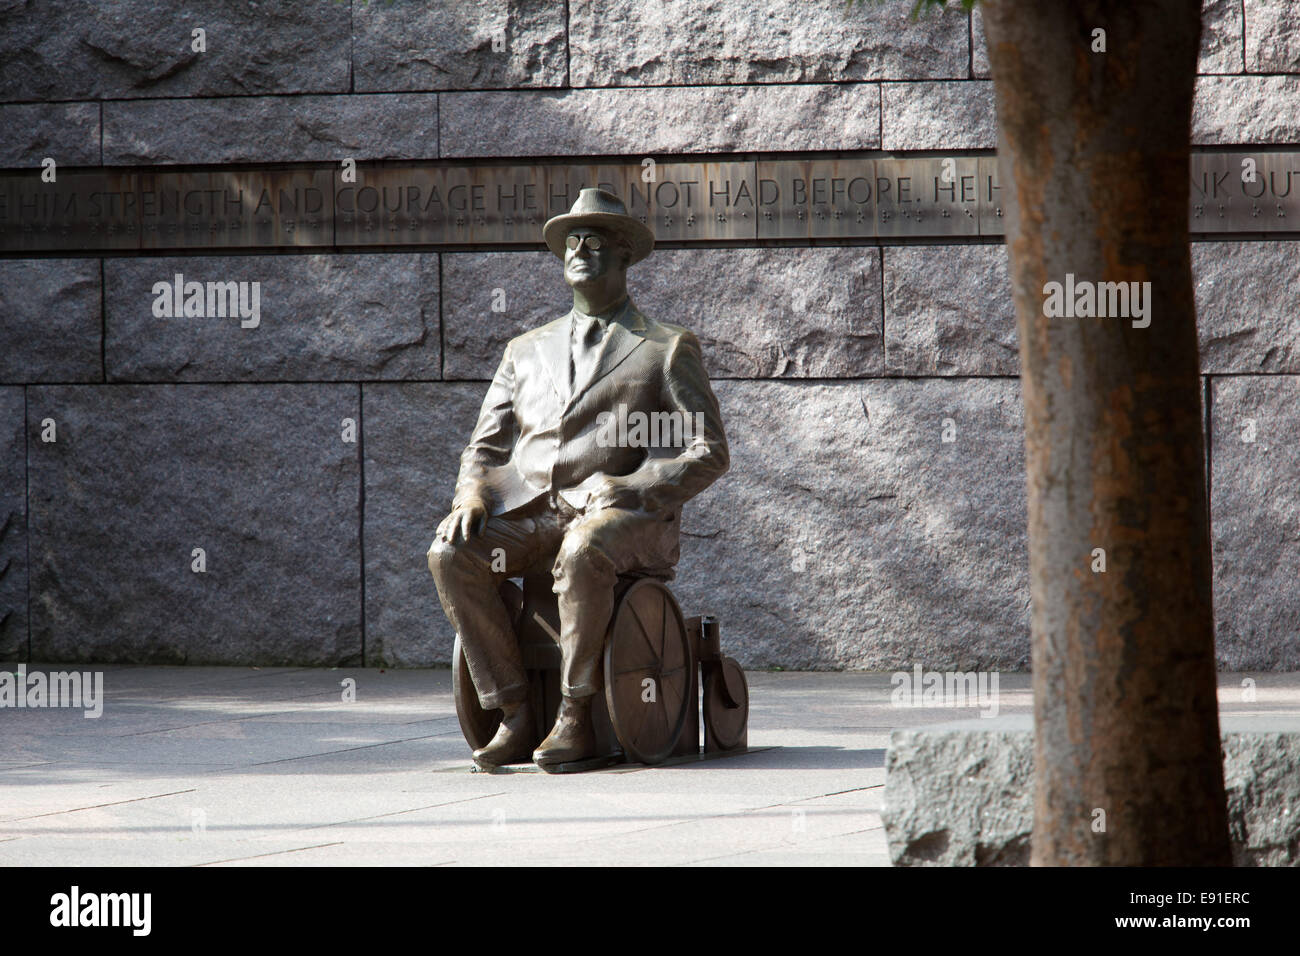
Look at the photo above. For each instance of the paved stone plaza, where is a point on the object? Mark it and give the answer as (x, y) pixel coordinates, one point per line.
(244, 766)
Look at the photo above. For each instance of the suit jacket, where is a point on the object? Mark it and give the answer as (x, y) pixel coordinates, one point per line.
(535, 438)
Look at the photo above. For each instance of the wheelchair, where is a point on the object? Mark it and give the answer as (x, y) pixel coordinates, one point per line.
(660, 670)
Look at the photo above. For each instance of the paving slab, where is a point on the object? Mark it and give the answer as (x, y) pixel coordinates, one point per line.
(287, 766)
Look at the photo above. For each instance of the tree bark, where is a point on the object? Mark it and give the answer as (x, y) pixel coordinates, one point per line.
(1093, 158)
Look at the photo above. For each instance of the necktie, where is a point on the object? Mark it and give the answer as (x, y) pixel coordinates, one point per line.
(589, 332)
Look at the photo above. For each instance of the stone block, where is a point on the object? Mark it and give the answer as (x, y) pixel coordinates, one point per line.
(1254, 110)
(527, 290)
(1272, 36)
(979, 54)
(680, 119)
(940, 115)
(948, 311)
(962, 793)
(1221, 39)
(13, 526)
(1255, 521)
(1261, 773)
(848, 534)
(1247, 305)
(68, 133)
(50, 320)
(84, 49)
(271, 129)
(782, 313)
(414, 436)
(322, 318)
(456, 45)
(257, 476)
(623, 42)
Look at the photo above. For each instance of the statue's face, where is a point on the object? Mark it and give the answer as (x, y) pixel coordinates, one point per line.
(586, 264)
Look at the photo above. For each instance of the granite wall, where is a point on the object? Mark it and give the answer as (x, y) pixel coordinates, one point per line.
(304, 463)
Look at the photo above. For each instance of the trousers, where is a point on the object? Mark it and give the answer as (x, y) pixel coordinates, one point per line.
(588, 552)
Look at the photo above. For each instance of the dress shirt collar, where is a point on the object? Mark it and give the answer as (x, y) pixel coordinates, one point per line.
(604, 318)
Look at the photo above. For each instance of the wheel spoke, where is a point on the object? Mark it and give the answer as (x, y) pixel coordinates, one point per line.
(674, 653)
(663, 625)
(647, 727)
(663, 715)
(635, 733)
(639, 669)
(666, 687)
(644, 633)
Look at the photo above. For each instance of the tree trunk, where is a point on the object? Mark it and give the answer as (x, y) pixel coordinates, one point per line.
(1093, 157)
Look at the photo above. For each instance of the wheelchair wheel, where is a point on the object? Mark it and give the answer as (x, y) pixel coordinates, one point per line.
(648, 671)
(478, 725)
(726, 705)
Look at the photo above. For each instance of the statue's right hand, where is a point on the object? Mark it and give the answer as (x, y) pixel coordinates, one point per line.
(465, 519)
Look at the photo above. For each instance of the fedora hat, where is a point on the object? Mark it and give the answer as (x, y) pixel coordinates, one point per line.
(599, 209)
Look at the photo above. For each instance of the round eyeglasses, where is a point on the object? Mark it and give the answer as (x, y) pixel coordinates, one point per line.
(594, 243)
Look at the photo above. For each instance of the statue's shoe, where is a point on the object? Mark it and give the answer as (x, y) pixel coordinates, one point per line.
(512, 743)
(571, 741)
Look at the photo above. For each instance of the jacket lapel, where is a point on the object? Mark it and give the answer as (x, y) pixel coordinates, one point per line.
(553, 351)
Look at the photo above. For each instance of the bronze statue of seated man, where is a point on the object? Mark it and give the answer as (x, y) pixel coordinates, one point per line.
(562, 463)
